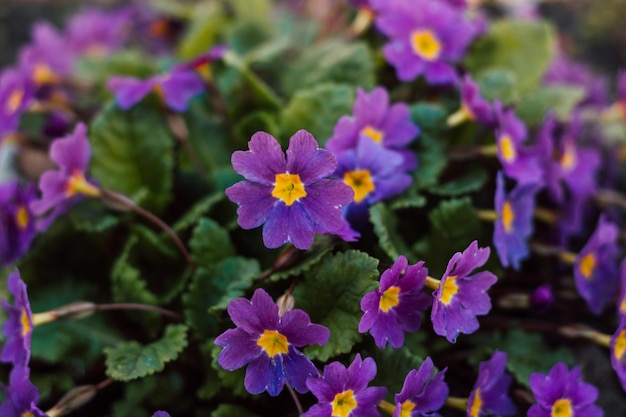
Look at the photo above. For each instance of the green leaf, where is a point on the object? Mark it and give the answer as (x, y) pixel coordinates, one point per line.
(560, 100)
(131, 360)
(317, 109)
(133, 151)
(470, 181)
(432, 161)
(201, 208)
(412, 200)
(385, 227)
(128, 285)
(127, 62)
(332, 62)
(498, 84)
(210, 243)
(92, 216)
(331, 293)
(202, 32)
(527, 353)
(523, 47)
(231, 410)
(393, 365)
(321, 246)
(429, 117)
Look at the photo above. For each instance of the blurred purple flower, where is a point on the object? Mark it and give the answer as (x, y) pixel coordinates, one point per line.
(374, 118)
(473, 106)
(621, 304)
(618, 352)
(396, 305)
(542, 298)
(344, 392)
(423, 393)
(202, 63)
(62, 188)
(563, 393)
(161, 414)
(460, 296)
(267, 343)
(97, 33)
(19, 325)
(426, 37)
(48, 58)
(17, 93)
(292, 197)
(21, 396)
(490, 393)
(564, 71)
(514, 224)
(595, 269)
(17, 220)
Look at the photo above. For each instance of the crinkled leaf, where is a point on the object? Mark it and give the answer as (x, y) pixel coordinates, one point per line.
(470, 181)
(128, 285)
(201, 208)
(523, 47)
(429, 117)
(210, 243)
(385, 227)
(131, 360)
(558, 100)
(317, 109)
(126, 62)
(411, 200)
(304, 260)
(132, 151)
(498, 84)
(91, 216)
(331, 293)
(431, 162)
(258, 121)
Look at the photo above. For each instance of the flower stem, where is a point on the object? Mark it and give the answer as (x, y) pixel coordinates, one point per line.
(362, 21)
(432, 283)
(586, 332)
(611, 198)
(296, 400)
(179, 129)
(144, 307)
(547, 250)
(257, 84)
(457, 402)
(387, 407)
(127, 203)
(487, 215)
(546, 215)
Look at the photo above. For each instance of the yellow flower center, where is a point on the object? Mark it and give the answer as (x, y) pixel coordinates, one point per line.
(507, 217)
(14, 101)
(587, 265)
(77, 184)
(389, 299)
(343, 404)
(568, 159)
(507, 148)
(273, 343)
(22, 217)
(374, 134)
(25, 321)
(361, 182)
(27, 414)
(562, 408)
(620, 345)
(622, 306)
(42, 74)
(406, 408)
(477, 404)
(448, 290)
(288, 188)
(425, 44)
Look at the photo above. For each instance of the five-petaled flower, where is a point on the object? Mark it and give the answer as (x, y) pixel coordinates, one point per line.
(473, 106)
(21, 396)
(344, 392)
(396, 305)
(460, 296)
(17, 222)
(291, 196)
(562, 393)
(19, 325)
(267, 343)
(490, 393)
(423, 393)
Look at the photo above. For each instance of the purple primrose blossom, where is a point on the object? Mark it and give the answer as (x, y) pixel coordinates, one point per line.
(460, 296)
(267, 343)
(17, 220)
(374, 118)
(97, 33)
(48, 58)
(395, 306)
(595, 268)
(161, 414)
(473, 106)
(618, 352)
(17, 94)
(563, 71)
(490, 393)
(19, 325)
(62, 188)
(426, 37)
(344, 392)
(621, 304)
(423, 393)
(175, 88)
(21, 396)
(563, 393)
(514, 224)
(291, 196)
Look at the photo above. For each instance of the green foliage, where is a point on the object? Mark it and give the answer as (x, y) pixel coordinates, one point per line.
(304, 260)
(331, 293)
(317, 109)
(201, 208)
(431, 118)
(128, 285)
(393, 365)
(232, 410)
(473, 180)
(498, 84)
(127, 62)
(560, 100)
(132, 152)
(210, 243)
(131, 360)
(523, 48)
(385, 227)
(92, 216)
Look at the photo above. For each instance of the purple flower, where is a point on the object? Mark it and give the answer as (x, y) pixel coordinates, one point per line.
(426, 37)
(290, 196)
(395, 307)
(460, 296)
(515, 221)
(18, 225)
(373, 117)
(175, 88)
(48, 58)
(62, 188)
(473, 105)
(21, 396)
(161, 414)
(542, 298)
(564, 71)
(518, 163)
(19, 325)
(595, 269)
(621, 306)
(16, 96)
(268, 343)
(490, 393)
(423, 393)
(202, 63)
(618, 352)
(344, 392)
(373, 172)
(93, 32)
(563, 393)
